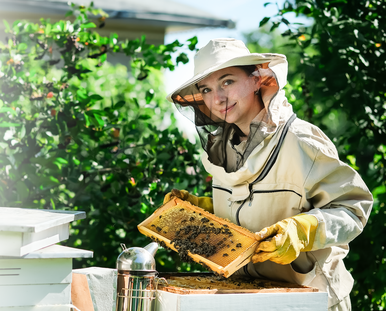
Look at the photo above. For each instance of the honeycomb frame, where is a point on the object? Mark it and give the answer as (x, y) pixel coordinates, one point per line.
(233, 253)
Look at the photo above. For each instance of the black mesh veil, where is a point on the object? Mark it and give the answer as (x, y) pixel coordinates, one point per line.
(230, 110)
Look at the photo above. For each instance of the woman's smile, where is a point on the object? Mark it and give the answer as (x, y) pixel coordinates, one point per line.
(227, 109)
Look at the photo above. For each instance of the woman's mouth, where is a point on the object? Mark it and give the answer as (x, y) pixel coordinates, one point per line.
(227, 109)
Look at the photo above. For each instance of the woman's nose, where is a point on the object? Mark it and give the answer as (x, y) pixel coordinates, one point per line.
(219, 97)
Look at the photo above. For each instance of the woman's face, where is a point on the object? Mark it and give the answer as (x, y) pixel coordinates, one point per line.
(229, 94)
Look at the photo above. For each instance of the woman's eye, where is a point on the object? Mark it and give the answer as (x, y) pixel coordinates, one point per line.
(228, 82)
(205, 90)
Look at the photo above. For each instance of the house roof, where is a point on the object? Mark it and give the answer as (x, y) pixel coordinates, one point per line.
(163, 13)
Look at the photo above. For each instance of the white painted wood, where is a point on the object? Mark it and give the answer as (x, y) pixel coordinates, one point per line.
(30, 295)
(38, 279)
(21, 243)
(11, 243)
(77, 214)
(40, 308)
(25, 230)
(55, 251)
(242, 302)
(33, 220)
(35, 271)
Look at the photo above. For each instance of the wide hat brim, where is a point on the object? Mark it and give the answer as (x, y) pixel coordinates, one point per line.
(189, 87)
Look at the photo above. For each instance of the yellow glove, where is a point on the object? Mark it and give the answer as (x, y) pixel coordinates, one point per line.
(203, 202)
(283, 241)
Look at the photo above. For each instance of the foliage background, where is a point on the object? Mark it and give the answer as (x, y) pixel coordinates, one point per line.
(78, 133)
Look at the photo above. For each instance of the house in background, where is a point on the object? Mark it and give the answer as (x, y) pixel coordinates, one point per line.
(128, 18)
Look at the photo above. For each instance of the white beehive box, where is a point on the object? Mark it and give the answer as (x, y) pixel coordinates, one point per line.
(167, 301)
(24, 230)
(41, 308)
(317, 301)
(39, 279)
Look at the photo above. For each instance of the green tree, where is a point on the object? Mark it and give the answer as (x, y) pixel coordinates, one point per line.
(339, 85)
(77, 133)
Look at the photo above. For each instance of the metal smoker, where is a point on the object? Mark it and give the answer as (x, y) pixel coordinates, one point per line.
(136, 282)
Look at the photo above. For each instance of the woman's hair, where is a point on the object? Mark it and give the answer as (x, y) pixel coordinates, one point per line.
(248, 69)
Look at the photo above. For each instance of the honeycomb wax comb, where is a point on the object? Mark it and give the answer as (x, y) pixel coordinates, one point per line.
(211, 241)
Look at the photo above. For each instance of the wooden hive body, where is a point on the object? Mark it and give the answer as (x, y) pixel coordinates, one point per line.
(221, 245)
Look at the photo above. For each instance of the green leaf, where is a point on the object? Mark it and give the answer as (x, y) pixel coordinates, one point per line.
(22, 46)
(143, 208)
(87, 119)
(143, 74)
(135, 100)
(274, 26)
(53, 179)
(96, 97)
(182, 58)
(285, 21)
(61, 160)
(144, 117)
(69, 13)
(119, 104)
(82, 93)
(7, 109)
(100, 121)
(53, 204)
(149, 96)
(264, 21)
(22, 132)
(352, 160)
(88, 25)
(7, 27)
(48, 29)
(9, 124)
(287, 33)
(193, 42)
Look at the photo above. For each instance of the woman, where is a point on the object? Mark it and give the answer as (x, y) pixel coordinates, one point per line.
(273, 173)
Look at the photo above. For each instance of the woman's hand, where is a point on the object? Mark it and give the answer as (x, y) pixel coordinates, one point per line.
(203, 202)
(283, 241)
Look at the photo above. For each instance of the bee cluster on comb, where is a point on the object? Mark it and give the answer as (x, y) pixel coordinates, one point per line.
(200, 236)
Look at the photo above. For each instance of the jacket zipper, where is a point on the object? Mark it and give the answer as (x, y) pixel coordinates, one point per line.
(221, 188)
(269, 191)
(278, 190)
(260, 191)
(269, 165)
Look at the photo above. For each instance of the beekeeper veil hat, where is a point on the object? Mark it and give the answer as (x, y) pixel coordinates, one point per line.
(216, 134)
